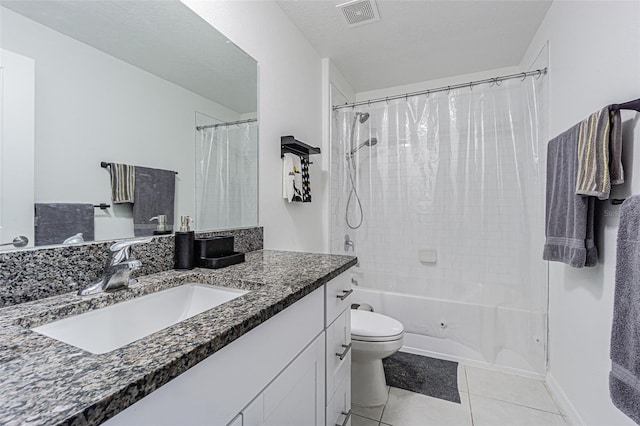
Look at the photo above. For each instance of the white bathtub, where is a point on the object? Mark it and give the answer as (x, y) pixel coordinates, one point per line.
(478, 335)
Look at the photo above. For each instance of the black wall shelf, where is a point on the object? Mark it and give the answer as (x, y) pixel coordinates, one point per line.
(294, 146)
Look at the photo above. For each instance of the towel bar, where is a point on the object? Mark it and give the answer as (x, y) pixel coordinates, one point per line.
(631, 105)
(105, 165)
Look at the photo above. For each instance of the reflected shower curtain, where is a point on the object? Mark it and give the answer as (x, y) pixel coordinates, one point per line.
(457, 176)
(227, 177)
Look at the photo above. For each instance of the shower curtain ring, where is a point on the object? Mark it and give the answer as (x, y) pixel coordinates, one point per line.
(386, 100)
(539, 75)
(406, 97)
(448, 89)
(524, 76)
(369, 104)
(471, 86)
(428, 93)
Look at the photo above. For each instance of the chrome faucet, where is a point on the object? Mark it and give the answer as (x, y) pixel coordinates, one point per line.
(348, 243)
(116, 274)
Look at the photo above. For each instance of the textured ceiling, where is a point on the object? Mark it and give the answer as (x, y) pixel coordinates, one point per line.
(419, 40)
(164, 38)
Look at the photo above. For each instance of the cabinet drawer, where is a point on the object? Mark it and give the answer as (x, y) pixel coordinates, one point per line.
(338, 346)
(339, 406)
(337, 296)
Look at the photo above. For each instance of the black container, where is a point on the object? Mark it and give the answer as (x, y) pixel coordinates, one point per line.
(184, 257)
(220, 262)
(214, 246)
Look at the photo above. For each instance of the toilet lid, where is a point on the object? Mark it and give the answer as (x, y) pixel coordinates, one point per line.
(372, 327)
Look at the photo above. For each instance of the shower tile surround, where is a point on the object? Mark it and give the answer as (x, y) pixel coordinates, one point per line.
(44, 381)
(27, 275)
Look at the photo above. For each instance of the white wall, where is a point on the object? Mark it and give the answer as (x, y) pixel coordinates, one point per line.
(594, 61)
(92, 107)
(290, 103)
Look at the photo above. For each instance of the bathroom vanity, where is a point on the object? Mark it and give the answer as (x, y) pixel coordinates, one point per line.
(278, 354)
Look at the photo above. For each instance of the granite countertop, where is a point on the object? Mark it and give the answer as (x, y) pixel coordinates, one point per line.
(44, 381)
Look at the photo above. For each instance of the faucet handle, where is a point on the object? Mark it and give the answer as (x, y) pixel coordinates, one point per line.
(120, 250)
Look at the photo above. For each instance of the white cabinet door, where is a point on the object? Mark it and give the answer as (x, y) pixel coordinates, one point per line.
(296, 396)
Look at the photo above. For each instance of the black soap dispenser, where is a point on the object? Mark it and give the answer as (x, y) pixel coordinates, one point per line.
(184, 251)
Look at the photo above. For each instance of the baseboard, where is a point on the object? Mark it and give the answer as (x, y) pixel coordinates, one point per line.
(472, 362)
(570, 413)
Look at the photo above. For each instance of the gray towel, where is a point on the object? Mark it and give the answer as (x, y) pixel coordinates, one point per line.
(624, 379)
(154, 195)
(123, 182)
(615, 148)
(599, 154)
(569, 217)
(55, 222)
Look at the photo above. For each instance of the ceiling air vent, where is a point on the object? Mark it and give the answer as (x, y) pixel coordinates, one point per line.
(359, 12)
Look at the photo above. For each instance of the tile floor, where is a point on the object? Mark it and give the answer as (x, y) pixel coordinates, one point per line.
(489, 398)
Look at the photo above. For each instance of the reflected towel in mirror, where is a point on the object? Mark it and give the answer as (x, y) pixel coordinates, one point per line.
(123, 182)
(154, 195)
(55, 222)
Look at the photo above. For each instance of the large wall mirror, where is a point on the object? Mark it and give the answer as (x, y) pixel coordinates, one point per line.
(117, 115)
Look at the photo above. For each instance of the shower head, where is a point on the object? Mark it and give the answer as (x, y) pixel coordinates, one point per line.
(364, 116)
(368, 142)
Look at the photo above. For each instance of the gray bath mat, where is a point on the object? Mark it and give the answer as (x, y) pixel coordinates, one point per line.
(429, 376)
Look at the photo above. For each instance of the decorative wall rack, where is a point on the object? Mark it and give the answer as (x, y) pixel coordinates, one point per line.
(294, 146)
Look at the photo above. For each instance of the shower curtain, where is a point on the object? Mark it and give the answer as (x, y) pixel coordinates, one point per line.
(227, 177)
(452, 214)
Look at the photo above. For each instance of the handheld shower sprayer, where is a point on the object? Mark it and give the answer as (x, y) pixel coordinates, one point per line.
(360, 117)
(368, 142)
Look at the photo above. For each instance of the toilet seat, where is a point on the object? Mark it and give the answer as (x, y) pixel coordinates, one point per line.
(372, 327)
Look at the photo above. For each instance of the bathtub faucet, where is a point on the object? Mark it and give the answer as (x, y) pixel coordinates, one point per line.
(348, 243)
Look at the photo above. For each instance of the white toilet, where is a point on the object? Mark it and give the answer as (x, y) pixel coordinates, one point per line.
(373, 337)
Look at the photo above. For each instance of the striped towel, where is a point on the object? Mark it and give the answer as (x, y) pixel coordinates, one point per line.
(599, 154)
(123, 182)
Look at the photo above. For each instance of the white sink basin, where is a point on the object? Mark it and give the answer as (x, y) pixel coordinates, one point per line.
(103, 330)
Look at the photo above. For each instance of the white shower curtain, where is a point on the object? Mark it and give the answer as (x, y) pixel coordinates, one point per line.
(457, 176)
(227, 177)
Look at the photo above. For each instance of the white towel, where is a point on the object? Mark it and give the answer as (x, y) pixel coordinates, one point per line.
(291, 177)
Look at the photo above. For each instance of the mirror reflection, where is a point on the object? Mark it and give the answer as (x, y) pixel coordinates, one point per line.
(118, 118)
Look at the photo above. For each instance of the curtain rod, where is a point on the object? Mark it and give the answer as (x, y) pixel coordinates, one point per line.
(495, 80)
(231, 123)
